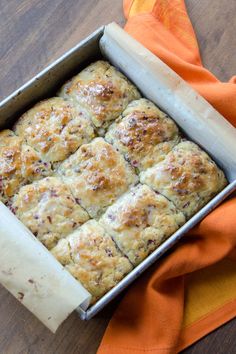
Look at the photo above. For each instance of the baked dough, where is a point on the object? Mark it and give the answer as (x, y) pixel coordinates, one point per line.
(102, 90)
(143, 134)
(98, 178)
(140, 221)
(188, 177)
(97, 175)
(48, 209)
(19, 164)
(91, 256)
(55, 128)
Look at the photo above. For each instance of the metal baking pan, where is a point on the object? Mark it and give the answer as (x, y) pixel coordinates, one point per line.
(197, 118)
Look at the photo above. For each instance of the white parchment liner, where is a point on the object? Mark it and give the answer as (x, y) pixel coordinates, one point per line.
(34, 277)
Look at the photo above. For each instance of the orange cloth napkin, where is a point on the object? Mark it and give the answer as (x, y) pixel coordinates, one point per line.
(192, 290)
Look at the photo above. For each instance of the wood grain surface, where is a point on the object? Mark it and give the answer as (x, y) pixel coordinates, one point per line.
(32, 34)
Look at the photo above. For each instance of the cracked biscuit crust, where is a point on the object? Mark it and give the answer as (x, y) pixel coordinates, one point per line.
(55, 128)
(140, 221)
(102, 90)
(49, 210)
(97, 175)
(188, 177)
(19, 164)
(91, 256)
(143, 134)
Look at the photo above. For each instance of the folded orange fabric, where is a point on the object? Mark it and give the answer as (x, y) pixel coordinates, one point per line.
(191, 291)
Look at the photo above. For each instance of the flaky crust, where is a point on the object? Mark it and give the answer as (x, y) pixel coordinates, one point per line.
(140, 221)
(102, 90)
(143, 134)
(48, 209)
(19, 164)
(187, 176)
(55, 128)
(91, 256)
(97, 174)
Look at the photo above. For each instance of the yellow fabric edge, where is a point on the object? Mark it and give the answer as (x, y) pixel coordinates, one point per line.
(140, 6)
(209, 323)
(209, 289)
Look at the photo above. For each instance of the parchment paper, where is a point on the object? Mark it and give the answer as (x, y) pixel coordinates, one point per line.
(34, 277)
(199, 120)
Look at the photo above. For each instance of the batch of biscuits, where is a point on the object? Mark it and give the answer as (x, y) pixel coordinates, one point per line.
(102, 176)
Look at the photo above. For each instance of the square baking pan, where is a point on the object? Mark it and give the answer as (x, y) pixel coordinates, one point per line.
(157, 82)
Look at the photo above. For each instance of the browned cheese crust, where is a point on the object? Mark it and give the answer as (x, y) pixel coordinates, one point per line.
(143, 134)
(19, 164)
(91, 256)
(48, 209)
(188, 177)
(140, 221)
(97, 175)
(55, 128)
(102, 90)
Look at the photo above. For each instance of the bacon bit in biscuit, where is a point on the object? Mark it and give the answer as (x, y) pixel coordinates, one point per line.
(20, 296)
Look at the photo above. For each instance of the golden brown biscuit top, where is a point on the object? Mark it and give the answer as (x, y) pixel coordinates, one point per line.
(187, 176)
(138, 215)
(103, 90)
(10, 152)
(143, 124)
(190, 169)
(55, 128)
(19, 164)
(96, 160)
(89, 246)
(91, 256)
(141, 208)
(10, 164)
(33, 168)
(102, 167)
(140, 220)
(48, 209)
(140, 128)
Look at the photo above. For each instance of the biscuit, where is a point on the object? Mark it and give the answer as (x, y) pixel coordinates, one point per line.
(48, 209)
(143, 134)
(19, 164)
(91, 256)
(140, 221)
(55, 128)
(188, 177)
(97, 175)
(102, 90)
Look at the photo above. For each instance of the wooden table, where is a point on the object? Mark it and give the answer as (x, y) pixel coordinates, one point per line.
(32, 34)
